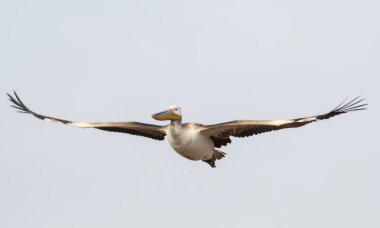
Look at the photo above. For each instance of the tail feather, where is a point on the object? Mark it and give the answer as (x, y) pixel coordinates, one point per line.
(218, 155)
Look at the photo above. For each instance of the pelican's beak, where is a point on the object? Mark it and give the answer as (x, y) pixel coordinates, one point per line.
(166, 115)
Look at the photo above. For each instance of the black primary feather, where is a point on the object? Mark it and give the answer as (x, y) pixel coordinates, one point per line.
(21, 107)
(355, 104)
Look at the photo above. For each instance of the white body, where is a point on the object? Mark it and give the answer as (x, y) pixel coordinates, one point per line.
(187, 141)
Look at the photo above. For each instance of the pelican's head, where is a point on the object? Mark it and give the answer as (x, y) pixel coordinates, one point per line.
(173, 113)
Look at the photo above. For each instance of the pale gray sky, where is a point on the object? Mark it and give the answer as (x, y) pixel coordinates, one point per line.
(218, 61)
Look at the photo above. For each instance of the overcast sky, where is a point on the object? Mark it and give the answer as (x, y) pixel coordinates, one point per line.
(219, 61)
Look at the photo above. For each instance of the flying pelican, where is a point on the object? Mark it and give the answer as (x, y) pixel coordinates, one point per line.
(195, 141)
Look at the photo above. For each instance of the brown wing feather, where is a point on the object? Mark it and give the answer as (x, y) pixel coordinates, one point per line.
(133, 128)
(220, 133)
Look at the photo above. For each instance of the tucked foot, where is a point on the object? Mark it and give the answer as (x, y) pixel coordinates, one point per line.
(210, 162)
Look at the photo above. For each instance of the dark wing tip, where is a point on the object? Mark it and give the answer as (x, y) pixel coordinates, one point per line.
(355, 104)
(20, 106)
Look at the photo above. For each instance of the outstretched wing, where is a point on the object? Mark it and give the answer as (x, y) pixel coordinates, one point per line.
(220, 133)
(133, 128)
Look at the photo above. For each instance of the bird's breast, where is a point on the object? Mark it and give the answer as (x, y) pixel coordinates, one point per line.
(180, 137)
(188, 142)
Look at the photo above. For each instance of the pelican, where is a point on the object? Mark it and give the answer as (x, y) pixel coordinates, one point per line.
(195, 141)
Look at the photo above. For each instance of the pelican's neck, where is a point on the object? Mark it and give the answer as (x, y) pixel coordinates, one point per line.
(176, 122)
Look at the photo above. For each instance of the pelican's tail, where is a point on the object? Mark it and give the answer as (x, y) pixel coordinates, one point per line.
(218, 155)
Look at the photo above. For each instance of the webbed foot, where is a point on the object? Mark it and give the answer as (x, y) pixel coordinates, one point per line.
(210, 162)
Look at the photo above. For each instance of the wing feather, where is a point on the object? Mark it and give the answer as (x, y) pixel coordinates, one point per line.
(134, 128)
(220, 133)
